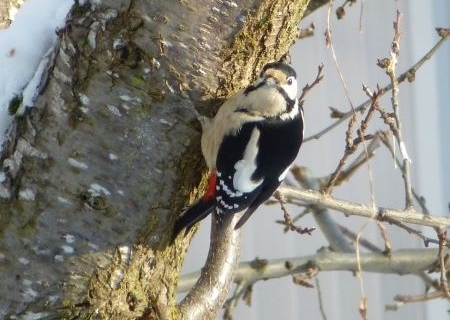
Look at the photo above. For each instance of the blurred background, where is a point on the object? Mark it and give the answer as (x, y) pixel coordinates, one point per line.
(360, 38)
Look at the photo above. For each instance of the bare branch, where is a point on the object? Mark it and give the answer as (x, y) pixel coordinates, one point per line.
(351, 208)
(363, 242)
(211, 289)
(443, 259)
(404, 261)
(319, 297)
(390, 66)
(322, 216)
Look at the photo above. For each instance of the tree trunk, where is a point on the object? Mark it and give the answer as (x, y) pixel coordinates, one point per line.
(97, 172)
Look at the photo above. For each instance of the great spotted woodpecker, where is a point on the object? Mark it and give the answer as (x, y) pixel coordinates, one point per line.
(249, 146)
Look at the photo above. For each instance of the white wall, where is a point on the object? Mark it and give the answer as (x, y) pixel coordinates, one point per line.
(425, 115)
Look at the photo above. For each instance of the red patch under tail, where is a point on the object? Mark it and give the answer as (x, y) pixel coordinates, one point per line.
(211, 190)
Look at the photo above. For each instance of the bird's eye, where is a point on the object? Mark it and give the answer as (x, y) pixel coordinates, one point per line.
(290, 80)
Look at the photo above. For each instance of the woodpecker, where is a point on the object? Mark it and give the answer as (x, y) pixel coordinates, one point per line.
(249, 146)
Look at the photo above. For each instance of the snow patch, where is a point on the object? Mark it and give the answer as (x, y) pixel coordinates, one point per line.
(93, 246)
(84, 99)
(63, 200)
(29, 315)
(114, 110)
(77, 164)
(98, 190)
(67, 249)
(22, 46)
(27, 194)
(113, 157)
(69, 238)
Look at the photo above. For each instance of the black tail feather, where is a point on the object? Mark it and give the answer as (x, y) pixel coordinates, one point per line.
(264, 194)
(245, 217)
(196, 212)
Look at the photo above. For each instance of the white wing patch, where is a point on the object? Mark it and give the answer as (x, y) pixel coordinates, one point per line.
(242, 179)
(227, 190)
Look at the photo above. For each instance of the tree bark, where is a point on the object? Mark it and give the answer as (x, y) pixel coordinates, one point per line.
(97, 172)
(5, 7)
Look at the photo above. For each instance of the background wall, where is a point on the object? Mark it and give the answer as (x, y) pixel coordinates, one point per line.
(425, 115)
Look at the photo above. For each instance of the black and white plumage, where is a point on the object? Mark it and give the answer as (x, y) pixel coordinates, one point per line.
(249, 146)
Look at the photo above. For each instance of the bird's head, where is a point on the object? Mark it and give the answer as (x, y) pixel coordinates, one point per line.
(280, 75)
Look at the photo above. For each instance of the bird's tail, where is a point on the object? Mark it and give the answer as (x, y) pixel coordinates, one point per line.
(196, 212)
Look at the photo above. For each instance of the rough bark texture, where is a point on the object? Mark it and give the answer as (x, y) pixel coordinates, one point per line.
(97, 172)
(7, 10)
(4, 14)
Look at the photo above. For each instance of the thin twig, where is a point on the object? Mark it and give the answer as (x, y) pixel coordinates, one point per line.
(359, 161)
(358, 272)
(329, 43)
(324, 219)
(308, 87)
(372, 247)
(319, 297)
(384, 137)
(419, 298)
(403, 299)
(407, 75)
(287, 217)
(390, 66)
(305, 211)
(443, 258)
(335, 175)
(426, 240)
(353, 144)
(385, 237)
(363, 242)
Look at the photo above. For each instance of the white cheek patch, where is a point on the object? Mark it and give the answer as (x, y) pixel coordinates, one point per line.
(242, 179)
(291, 89)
